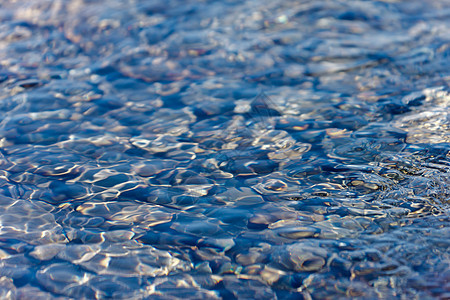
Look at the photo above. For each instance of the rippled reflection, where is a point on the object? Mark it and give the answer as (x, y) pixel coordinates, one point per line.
(224, 150)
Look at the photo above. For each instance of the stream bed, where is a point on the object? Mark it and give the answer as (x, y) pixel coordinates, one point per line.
(185, 149)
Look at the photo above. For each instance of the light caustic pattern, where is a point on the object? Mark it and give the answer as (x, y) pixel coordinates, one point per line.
(224, 150)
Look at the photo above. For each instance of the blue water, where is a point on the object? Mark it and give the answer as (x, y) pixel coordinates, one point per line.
(224, 149)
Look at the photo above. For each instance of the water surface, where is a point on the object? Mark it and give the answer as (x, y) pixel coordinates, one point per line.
(224, 149)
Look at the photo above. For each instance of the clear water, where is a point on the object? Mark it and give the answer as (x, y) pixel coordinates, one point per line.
(224, 149)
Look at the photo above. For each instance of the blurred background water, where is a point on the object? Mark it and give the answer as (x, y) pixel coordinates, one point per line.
(224, 149)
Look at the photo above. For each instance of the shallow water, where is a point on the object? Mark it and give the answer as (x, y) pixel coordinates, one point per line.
(220, 149)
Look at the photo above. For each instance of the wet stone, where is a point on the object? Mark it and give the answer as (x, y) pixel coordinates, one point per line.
(116, 287)
(151, 168)
(7, 288)
(46, 252)
(199, 228)
(17, 267)
(28, 222)
(298, 233)
(201, 287)
(66, 279)
(301, 257)
(245, 288)
(32, 292)
(261, 221)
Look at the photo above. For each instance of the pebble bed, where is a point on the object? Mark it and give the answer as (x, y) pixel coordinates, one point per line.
(255, 149)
